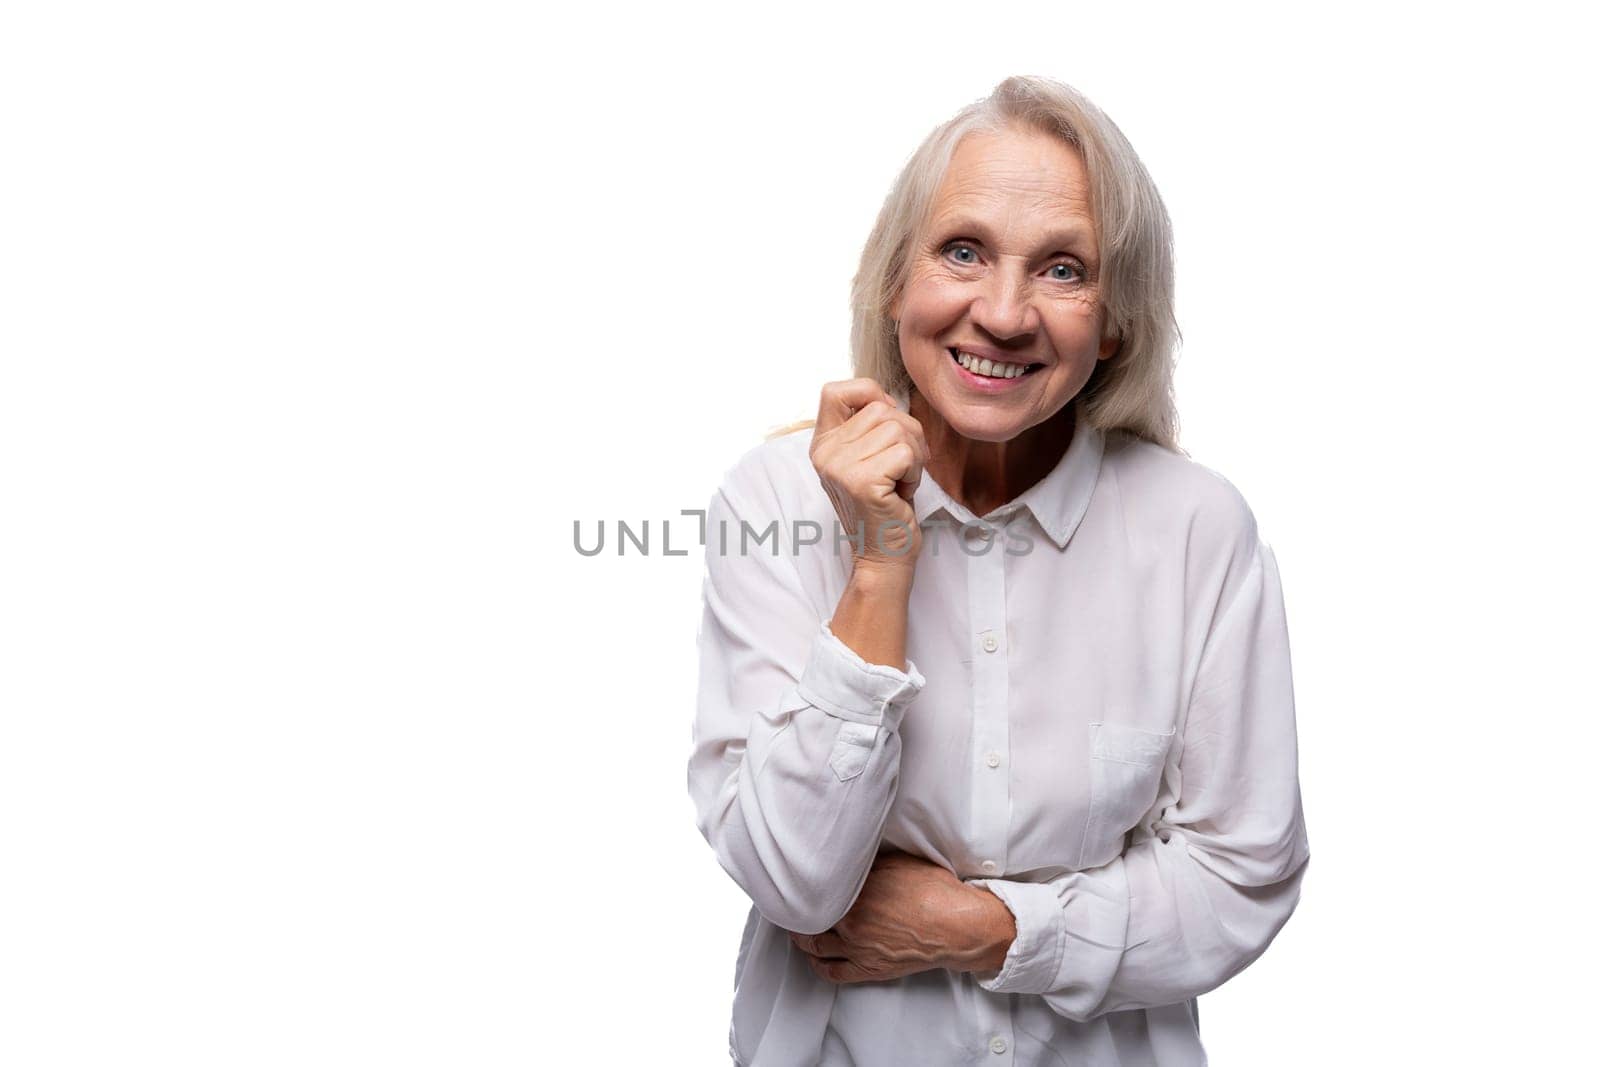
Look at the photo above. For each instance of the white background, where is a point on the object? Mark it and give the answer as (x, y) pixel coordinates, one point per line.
(322, 323)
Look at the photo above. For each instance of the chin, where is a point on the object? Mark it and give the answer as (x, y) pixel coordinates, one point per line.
(979, 424)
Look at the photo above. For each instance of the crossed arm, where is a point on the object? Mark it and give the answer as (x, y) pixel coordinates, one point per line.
(912, 915)
(796, 767)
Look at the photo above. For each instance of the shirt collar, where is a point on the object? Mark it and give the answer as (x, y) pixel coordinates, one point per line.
(1057, 501)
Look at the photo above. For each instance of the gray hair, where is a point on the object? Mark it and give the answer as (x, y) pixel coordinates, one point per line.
(1132, 390)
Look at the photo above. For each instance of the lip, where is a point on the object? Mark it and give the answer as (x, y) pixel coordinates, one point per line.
(977, 382)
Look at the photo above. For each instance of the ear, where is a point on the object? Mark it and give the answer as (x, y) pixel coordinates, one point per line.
(1110, 340)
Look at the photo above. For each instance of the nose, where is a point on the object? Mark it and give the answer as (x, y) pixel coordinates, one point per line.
(1004, 305)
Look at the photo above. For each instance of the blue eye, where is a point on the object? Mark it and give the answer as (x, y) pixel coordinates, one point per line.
(1073, 272)
(958, 250)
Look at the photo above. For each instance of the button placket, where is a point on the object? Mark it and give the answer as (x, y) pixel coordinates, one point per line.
(991, 791)
(994, 1029)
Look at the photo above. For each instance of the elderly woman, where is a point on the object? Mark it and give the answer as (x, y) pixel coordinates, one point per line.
(996, 726)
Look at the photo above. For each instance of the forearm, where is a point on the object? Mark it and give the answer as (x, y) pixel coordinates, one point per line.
(796, 809)
(795, 838)
(1155, 926)
(870, 617)
(980, 936)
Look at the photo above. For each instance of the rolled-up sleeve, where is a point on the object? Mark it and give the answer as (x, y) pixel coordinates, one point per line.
(1199, 897)
(796, 750)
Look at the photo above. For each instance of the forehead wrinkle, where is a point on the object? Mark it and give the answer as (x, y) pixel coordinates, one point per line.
(982, 189)
(1047, 213)
(990, 182)
(1008, 184)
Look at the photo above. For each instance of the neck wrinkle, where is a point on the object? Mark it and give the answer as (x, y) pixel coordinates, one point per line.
(984, 475)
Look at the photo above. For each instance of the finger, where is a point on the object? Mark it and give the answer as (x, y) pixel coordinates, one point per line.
(862, 421)
(837, 971)
(826, 945)
(841, 400)
(867, 426)
(881, 414)
(906, 484)
(888, 445)
(900, 462)
(830, 945)
(848, 971)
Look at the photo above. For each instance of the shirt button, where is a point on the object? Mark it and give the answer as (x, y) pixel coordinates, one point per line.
(990, 642)
(992, 759)
(997, 1045)
(989, 866)
(977, 532)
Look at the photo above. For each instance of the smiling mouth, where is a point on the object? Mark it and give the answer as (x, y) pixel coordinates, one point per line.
(988, 368)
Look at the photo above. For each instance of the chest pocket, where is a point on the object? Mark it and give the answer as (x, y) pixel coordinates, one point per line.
(1125, 766)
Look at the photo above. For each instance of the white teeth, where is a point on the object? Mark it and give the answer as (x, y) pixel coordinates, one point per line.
(989, 368)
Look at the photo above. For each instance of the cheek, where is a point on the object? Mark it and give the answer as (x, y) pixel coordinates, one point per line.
(1074, 325)
(931, 304)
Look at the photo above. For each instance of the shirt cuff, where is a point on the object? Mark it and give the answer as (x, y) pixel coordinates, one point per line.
(1034, 959)
(841, 683)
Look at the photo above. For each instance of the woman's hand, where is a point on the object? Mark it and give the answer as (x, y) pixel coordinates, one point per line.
(869, 455)
(912, 916)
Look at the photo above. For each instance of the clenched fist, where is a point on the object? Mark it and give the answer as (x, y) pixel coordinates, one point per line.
(870, 456)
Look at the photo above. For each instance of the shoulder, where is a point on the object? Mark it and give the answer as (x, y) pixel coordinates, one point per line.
(774, 477)
(1169, 493)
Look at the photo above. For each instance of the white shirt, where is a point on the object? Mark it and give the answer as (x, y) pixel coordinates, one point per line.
(1096, 721)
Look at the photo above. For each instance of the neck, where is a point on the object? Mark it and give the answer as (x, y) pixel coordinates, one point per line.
(983, 475)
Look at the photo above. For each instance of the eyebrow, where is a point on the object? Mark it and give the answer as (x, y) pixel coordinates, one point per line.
(1057, 240)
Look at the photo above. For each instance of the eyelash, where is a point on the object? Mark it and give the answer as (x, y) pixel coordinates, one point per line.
(952, 245)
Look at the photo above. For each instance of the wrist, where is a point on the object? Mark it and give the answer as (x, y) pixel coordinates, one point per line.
(871, 614)
(987, 930)
(883, 577)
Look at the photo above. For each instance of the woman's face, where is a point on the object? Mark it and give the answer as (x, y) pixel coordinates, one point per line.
(1006, 271)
